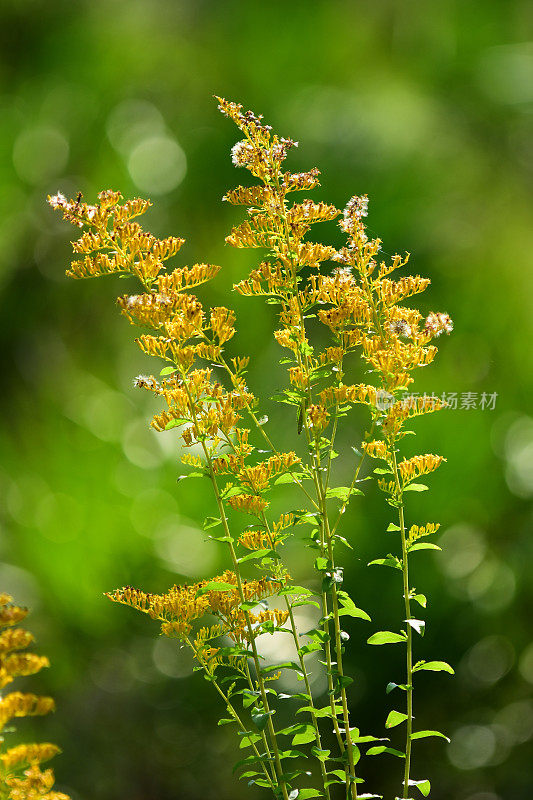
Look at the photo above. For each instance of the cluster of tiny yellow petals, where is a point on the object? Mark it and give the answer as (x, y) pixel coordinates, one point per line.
(24, 755)
(376, 449)
(33, 784)
(318, 417)
(20, 776)
(418, 465)
(359, 393)
(20, 664)
(181, 605)
(248, 503)
(257, 540)
(417, 532)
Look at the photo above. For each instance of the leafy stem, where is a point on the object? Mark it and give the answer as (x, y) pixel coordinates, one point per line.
(231, 709)
(408, 617)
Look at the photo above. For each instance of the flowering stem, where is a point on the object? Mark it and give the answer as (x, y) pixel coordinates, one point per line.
(225, 524)
(267, 438)
(260, 682)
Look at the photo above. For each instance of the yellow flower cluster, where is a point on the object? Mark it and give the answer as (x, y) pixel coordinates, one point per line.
(181, 605)
(417, 532)
(418, 465)
(20, 775)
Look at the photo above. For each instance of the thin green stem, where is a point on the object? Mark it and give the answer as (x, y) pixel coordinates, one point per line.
(409, 642)
(308, 690)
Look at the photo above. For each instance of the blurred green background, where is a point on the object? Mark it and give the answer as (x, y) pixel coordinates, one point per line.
(427, 107)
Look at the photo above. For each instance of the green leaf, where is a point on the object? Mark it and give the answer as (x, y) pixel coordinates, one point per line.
(395, 718)
(433, 666)
(321, 754)
(349, 609)
(421, 599)
(416, 487)
(289, 477)
(391, 686)
(390, 561)
(377, 751)
(291, 754)
(261, 719)
(305, 735)
(426, 734)
(211, 522)
(175, 423)
(168, 370)
(342, 492)
(423, 786)
(305, 794)
(284, 665)
(363, 739)
(393, 527)
(338, 773)
(263, 553)
(248, 739)
(382, 471)
(321, 563)
(247, 760)
(423, 546)
(295, 590)
(386, 637)
(320, 712)
(215, 586)
(312, 647)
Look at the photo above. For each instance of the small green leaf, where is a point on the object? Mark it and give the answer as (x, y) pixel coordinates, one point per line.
(342, 492)
(175, 423)
(215, 586)
(376, 751)
(305, 794)
(390, 561)
(395, 718)
(211, 522)
(423, 786)
(168, 370)
(423, 546)
(421, 599)
(349, 609)
(393, 527)
(425, 734)
(391, 686)
(386, 637)
(263, 553)
(321, 754)
(284, 665)
(305, 735)
(261, 719)
(416, 487)
(433, 666)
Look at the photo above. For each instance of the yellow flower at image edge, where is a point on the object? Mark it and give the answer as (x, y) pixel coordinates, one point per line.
(21, 777)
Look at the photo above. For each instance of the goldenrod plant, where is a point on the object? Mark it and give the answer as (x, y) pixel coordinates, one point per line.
(340, 314)
(21, 776)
